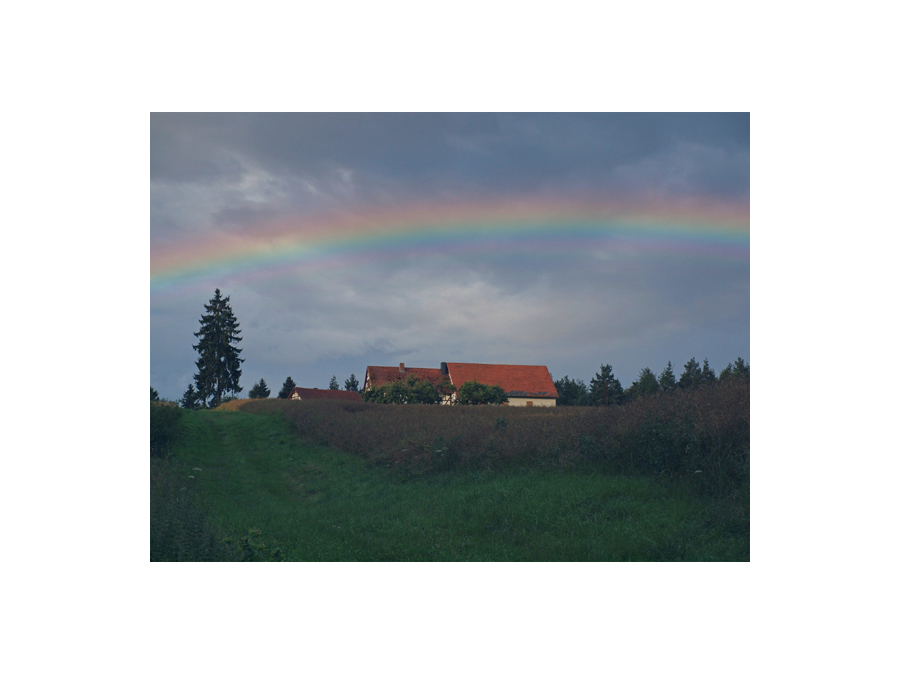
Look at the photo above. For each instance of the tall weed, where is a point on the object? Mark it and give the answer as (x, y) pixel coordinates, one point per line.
(179, 529)
(700, 435)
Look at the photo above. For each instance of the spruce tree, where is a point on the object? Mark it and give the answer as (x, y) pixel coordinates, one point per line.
(645, 384)
(219, 365)
(286, 388)
(667, 379)
(571, 392)
(154, 395)
(605, 388)
(726, 374)
(352, 384)
(333, 385)
(189, 399)
(564, 390)
(736, 370)
(707, 374)
(260, 390)
(691, 376)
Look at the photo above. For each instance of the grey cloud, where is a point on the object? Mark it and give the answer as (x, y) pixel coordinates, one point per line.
(570, 315)
(437, 152)
(424, 309)
(571, 310)
(690, 168)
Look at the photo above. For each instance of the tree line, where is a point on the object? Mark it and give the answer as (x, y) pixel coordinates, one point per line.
(219, 372)
(605, 388)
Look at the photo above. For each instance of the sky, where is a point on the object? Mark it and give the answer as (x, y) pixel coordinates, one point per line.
(348, 240)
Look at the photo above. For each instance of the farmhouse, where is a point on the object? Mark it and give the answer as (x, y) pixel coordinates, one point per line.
(524, 385)
(301, 394)
(377, 376)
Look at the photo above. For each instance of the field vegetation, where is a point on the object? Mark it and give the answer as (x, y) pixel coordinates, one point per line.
(699, 435)
(663, 477)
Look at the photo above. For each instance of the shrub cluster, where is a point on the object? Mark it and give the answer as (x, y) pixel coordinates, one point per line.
(163, 427)
(410, 390)
(475, 393)
(700, 434)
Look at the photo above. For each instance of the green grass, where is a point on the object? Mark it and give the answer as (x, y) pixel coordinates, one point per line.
(318, 504)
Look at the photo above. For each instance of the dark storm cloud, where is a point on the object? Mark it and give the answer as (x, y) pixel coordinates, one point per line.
(440, 152)
(194, 146)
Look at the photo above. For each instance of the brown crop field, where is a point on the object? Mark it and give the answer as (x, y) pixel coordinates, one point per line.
(235, 404)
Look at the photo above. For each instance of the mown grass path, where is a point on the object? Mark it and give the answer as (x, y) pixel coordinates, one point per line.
(321, 504)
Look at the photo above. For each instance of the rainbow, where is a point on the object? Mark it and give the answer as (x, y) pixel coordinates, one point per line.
(705, 227)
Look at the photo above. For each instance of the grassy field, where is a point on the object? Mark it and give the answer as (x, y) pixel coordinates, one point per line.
(241, 486)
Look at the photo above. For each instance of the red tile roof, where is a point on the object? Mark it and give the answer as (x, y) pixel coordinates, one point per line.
(517, 381)
(379, 375)
(324, 393)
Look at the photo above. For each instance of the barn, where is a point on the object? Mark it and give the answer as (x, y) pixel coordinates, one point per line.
(528, 386)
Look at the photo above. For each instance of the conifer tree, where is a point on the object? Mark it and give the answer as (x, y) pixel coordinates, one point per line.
(260, 390)
(154, 395)
(605, 388)
(645, 384)
(735, 370)
(352, 384)
(286, 388)
(189, 399)
(667, 380)
(707, 374)
(691, 376)
(219, 365)
(571, 392)
(333, 385)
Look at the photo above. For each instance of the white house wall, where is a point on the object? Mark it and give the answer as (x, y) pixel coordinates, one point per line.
(536, 402)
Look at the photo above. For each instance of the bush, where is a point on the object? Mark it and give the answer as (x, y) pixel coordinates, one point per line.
(164, 428)
(474, 393)
(410, 390)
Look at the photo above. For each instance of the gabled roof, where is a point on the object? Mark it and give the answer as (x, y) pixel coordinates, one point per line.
(324, 393)
(379, 375)
(516, 381)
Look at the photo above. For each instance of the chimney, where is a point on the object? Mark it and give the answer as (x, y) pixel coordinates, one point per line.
(402, 368)
(444, 370)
